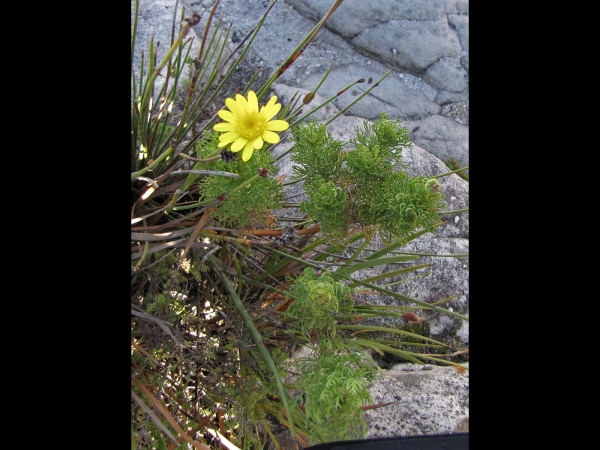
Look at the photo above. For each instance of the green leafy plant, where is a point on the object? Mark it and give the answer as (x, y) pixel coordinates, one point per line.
(454, 165)
(361, 186)
(333, 380)
(224, 284)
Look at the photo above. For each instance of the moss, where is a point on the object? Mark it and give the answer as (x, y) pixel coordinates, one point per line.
(453, 164)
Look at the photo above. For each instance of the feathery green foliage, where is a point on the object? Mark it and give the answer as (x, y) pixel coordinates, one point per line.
(334, 387)
(257, 194)
(362, 185)
(333, 379)
(317, 297)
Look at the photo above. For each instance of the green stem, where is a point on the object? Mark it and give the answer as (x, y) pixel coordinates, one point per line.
(193, 82)
(157, 161)
(244, 184)
(450, 173)
(193, 176)
(358, 251)
(202, 165)
(150, 85)
(402, 297)
(374, 328)
(258, 340)
(455, 211)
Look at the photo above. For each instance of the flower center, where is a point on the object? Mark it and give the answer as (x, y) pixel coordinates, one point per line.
(251, 126)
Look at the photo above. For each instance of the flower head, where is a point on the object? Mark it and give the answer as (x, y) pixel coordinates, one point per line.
(246, 127)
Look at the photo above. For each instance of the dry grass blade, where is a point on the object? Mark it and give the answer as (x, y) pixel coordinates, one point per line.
(201, 224)
(160, 323)
(141, 350)
(224, 441)
(159, 236)
(139, 219)
(311, 37)
(190, 433)
(376, 405)
(171, 245)
(153, 416)
(165, 413)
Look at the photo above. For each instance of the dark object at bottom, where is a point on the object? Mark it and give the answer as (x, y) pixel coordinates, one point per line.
(454, 441)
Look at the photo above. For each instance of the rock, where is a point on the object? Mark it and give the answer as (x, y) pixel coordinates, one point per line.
(429, 66)
(441, 136)
(427, 400)
(392, 96)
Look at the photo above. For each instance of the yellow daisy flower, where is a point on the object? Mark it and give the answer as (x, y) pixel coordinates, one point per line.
(246, 127)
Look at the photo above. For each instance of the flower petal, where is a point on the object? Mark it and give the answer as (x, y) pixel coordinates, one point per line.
(258, 143)
(229, 117)
(242, 103)
(277, 125)
(268, 112)
(270, 137)
(225, 126)
(252, 101)
(271, 102)
(232, 105)
(238, 144)
(248, 150)
(229, 137)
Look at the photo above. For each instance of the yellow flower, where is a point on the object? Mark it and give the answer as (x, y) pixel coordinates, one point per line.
(246, 127)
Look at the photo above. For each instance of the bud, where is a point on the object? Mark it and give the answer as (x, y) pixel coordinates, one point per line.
(432, 186)
(459, 369)
(411, 317)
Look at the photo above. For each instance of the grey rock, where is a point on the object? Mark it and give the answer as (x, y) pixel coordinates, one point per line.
(458, 111)
(447, 74)
(354, 16)
(462, 6)
(416, 88)
(409, 45)
(396, 99)
(286, 93)
(464, 59)
(443, 136)
(425, 402)
(446, 98)
(460, 23)
(420, 32)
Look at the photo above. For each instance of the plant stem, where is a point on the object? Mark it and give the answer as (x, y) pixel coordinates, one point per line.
(258, 340)
(150, 85)
(450, 173)
(455, 211)
(162, 157)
